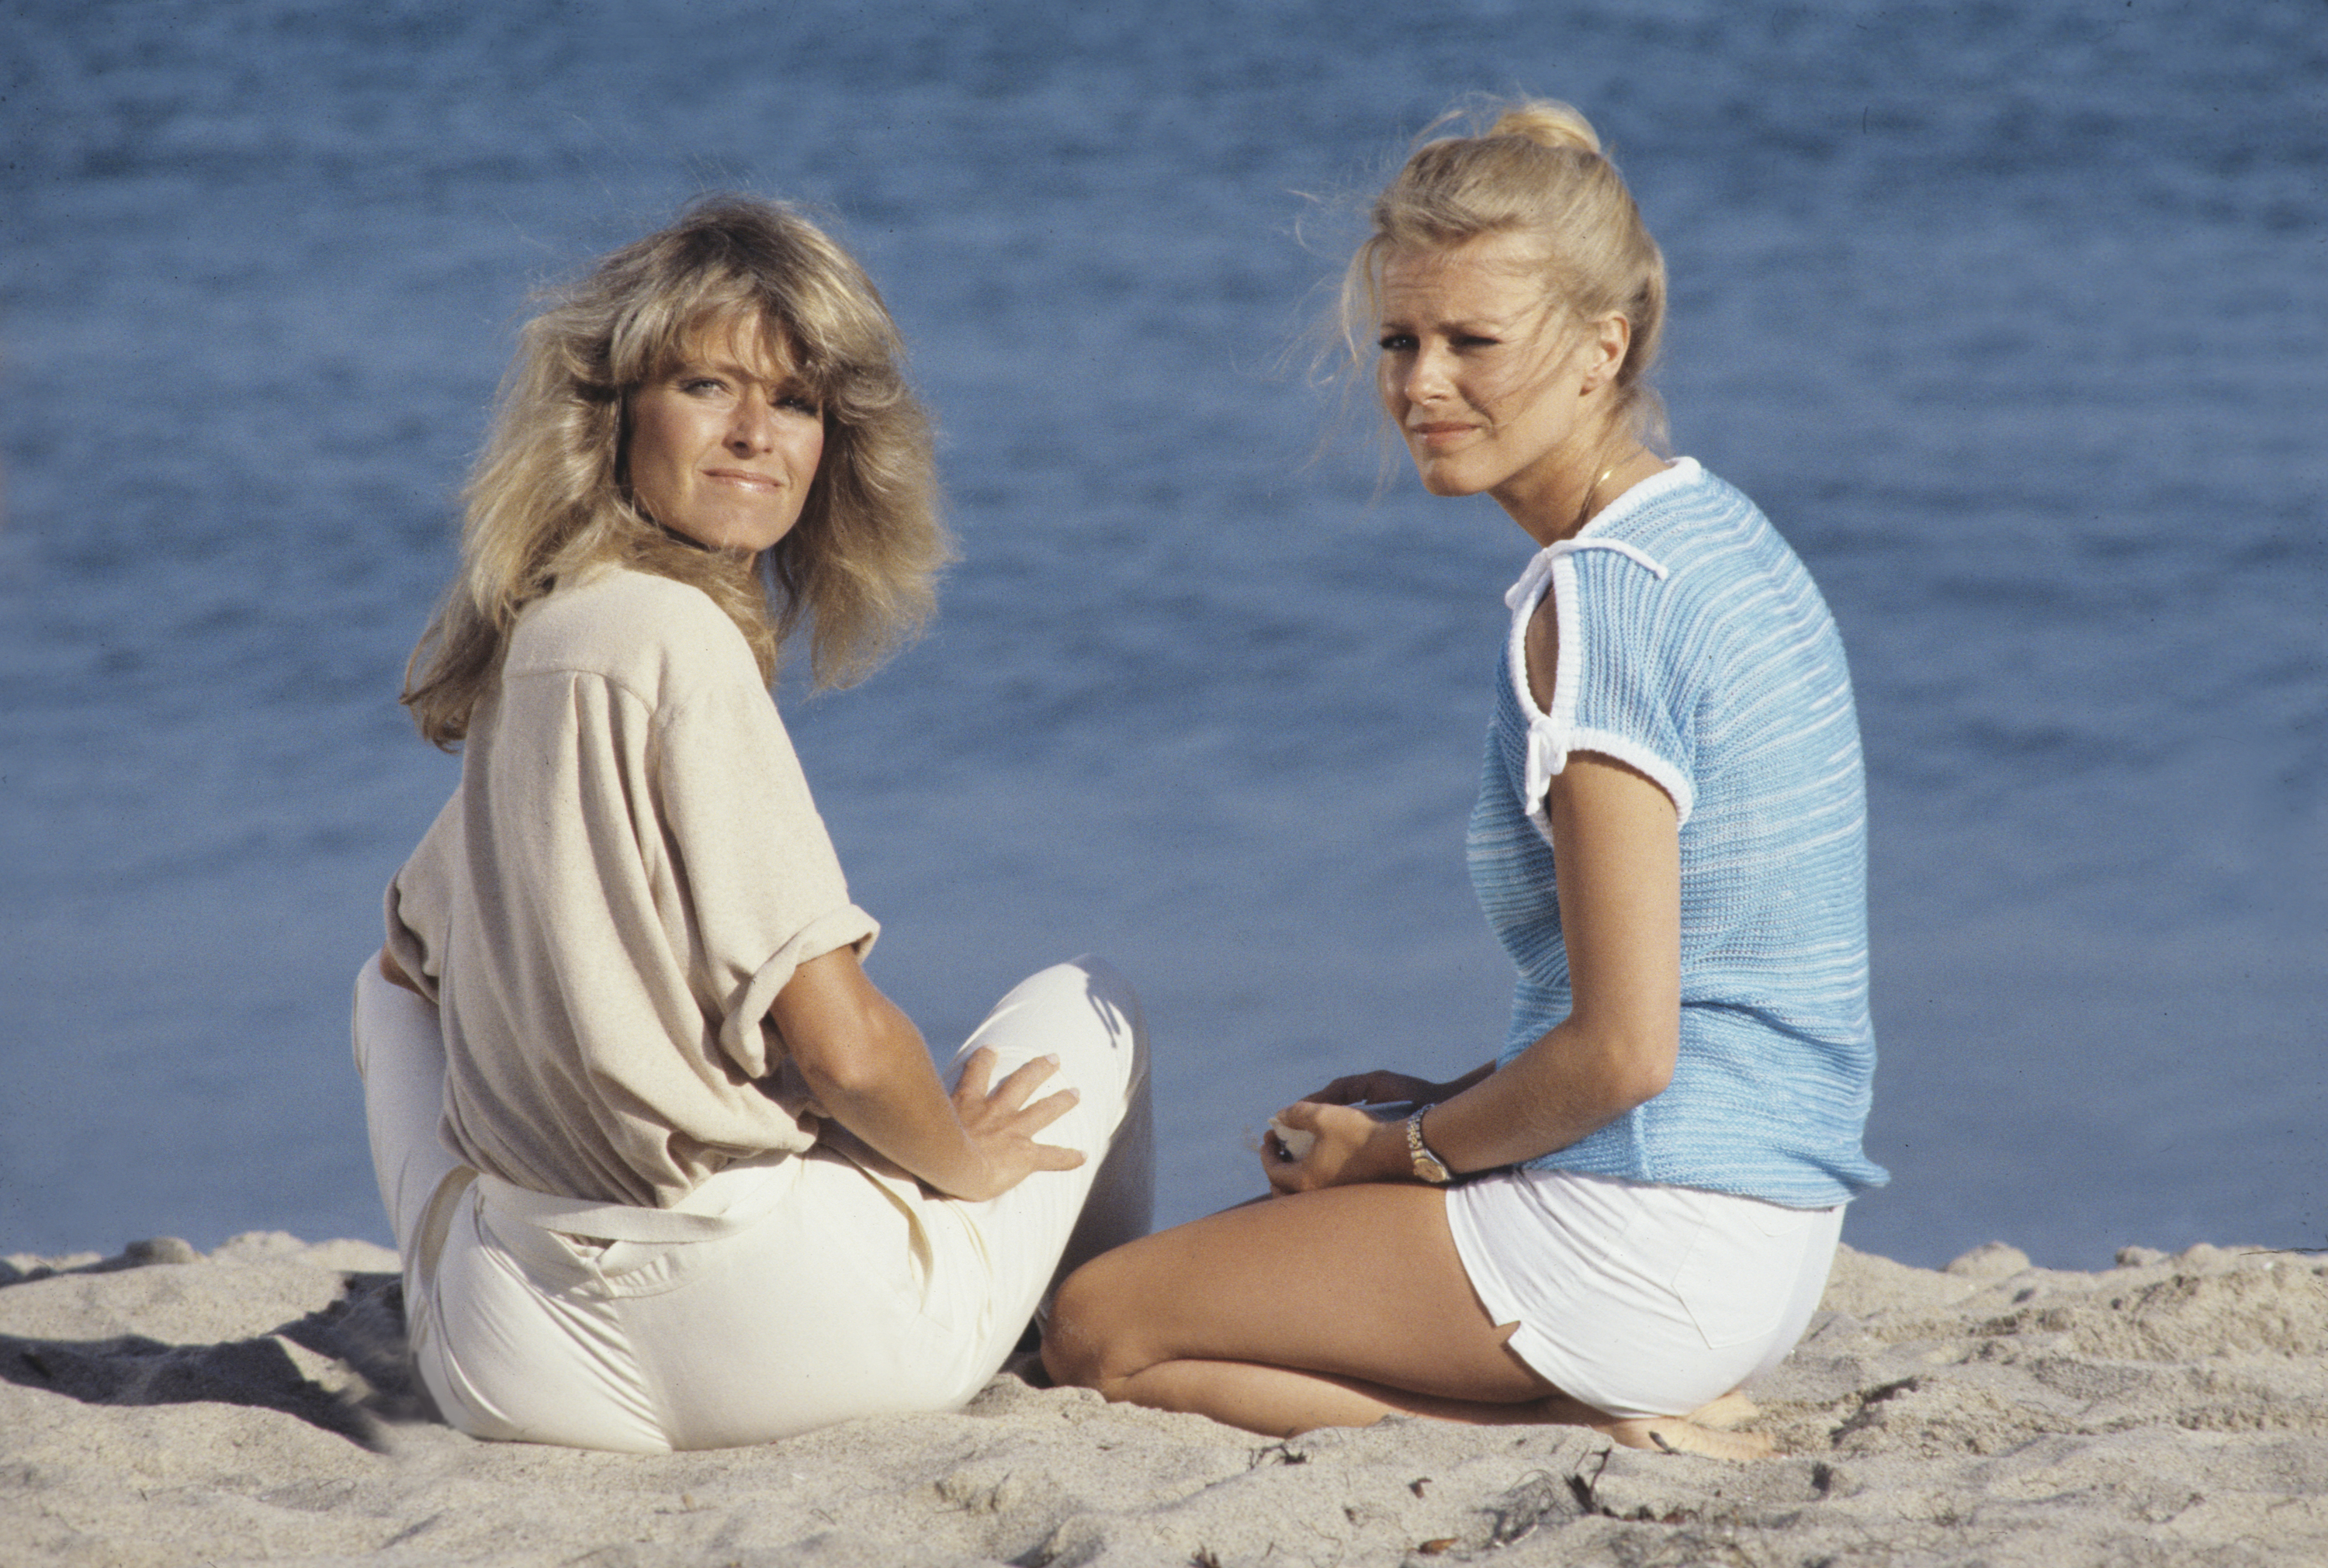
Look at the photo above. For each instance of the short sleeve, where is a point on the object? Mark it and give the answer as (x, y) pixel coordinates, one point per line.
(419, 902)
(1620, 686)
(766, 887)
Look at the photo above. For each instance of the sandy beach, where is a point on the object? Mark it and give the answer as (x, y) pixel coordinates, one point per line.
(163, 1407)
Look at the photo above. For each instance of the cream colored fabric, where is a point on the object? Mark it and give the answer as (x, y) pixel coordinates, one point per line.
(631, 869)
(783, 1293)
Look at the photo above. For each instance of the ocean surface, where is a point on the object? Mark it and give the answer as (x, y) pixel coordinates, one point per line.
(2013, 317)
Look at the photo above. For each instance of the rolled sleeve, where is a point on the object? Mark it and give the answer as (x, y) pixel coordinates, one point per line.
(741, 1035)
(764, 883)
(419, 909)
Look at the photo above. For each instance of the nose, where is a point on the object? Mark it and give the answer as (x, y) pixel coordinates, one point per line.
(753, 427)
(1426, 379)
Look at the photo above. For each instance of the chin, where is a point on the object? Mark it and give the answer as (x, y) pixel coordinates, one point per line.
(1441, 484)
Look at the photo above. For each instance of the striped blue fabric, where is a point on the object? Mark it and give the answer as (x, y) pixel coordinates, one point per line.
(1695, 647)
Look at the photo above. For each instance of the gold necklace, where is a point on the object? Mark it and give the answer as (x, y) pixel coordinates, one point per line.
(1584, 513)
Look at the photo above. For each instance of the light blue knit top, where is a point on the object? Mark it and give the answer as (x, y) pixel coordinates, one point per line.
(1695, 647)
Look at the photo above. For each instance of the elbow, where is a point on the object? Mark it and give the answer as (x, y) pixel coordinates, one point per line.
(1651, 1081)
(843, 1060)
(1643, 1068)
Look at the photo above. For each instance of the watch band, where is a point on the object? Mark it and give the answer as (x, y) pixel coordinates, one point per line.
(1427, 1167)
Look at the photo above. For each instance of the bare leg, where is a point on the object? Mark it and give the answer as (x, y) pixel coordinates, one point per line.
(1259, 1398)
(1326, 1309)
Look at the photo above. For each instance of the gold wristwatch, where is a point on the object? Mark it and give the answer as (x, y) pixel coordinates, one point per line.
(1427, 1167)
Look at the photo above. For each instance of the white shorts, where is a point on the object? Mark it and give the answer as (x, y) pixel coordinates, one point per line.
(1639, 1299)
(785, 1292)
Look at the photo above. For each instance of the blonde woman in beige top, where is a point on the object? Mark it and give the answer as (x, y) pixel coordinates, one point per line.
(666, 1169)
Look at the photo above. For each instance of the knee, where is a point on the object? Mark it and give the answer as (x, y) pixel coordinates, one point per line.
(1111, 996)
(1077, 1337)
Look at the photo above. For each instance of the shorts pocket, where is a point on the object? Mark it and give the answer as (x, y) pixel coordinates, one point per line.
(1739, 1275)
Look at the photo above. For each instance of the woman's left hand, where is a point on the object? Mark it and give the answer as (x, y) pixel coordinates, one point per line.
(1349, 1146)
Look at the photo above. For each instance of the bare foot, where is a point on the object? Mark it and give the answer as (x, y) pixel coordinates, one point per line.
(1705, 1431)
(1679, 1434)
(1733, 1409)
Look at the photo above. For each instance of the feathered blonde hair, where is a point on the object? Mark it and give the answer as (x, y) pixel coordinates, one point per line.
(1537, 170)
(551, 497)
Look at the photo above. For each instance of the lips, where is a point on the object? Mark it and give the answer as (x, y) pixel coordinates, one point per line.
(1439, 435)
(767, 482)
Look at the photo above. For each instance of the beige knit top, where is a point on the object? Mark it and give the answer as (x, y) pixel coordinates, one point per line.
(628, 874)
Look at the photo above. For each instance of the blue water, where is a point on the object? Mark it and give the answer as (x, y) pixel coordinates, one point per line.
(2013, 317)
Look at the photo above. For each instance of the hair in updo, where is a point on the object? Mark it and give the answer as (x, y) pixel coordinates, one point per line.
(1536, 171)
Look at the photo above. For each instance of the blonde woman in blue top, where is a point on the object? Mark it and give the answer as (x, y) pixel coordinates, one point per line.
(1632, 1210)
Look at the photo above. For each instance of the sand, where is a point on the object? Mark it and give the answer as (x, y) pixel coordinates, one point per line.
(162, 1407)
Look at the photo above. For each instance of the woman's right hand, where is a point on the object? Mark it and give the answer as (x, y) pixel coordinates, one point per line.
(1336, 1145)
(1380, 1088)
(1001, 1122)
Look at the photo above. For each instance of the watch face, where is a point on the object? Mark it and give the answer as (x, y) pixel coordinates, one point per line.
(1427, 1167)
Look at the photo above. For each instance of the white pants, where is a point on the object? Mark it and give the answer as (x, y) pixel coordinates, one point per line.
(784, 1293)
(1637, 1299)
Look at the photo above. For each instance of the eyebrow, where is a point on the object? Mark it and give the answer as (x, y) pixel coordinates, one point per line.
(788, 376)
(1468, 324)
